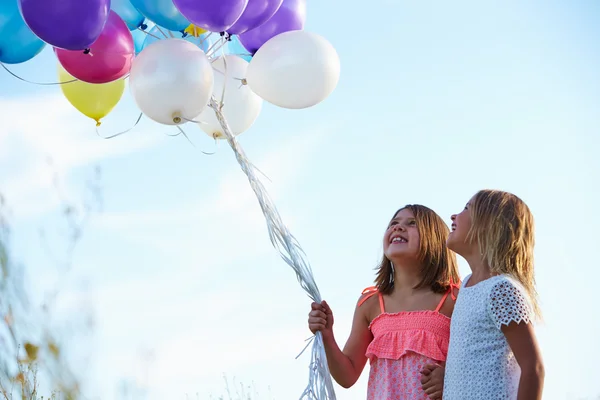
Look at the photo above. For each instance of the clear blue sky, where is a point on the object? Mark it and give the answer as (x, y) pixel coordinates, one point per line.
(436, 100)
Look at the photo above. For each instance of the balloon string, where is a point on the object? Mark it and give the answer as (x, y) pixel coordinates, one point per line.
(160, 30)
(36, 83)
(219, 47)
(182, 132)
(205, 38)
(320, 386)
(224, 81)
(219, 43)
(149, 34)
(192, 120)
(120, 133)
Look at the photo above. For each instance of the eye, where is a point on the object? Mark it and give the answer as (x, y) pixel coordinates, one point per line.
(412, 222)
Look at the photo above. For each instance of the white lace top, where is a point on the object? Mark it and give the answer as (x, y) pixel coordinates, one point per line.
(480, 363)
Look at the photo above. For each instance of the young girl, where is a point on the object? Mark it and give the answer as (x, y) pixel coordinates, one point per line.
(403, 323)
(493, 351)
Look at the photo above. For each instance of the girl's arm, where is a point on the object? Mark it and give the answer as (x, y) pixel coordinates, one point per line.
(522, 341)
(347, 365)
(512, 314)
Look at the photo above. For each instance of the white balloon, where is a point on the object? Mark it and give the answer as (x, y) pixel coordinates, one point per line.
(241, 105)
(171, 81)
(295, 69)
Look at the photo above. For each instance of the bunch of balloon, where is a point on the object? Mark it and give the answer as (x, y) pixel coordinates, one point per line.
(210, 64)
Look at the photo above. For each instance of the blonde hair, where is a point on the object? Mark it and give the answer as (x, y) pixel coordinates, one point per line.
(439, 266)
(503, 227)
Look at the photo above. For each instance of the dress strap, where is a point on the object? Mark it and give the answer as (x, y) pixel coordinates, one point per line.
(449, 292)
(369, 292)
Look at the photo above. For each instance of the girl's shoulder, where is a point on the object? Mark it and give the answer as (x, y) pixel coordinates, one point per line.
(369, 303)
(508, 302)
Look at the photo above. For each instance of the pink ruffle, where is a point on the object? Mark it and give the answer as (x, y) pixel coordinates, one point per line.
(423, 332)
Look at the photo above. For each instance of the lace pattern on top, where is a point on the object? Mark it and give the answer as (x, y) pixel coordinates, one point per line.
(480, 363)
(508, 304)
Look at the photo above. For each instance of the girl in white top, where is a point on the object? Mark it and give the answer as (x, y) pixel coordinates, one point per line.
(493, 352)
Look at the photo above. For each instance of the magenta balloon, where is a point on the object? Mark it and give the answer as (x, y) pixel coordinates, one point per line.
(212, 15)
(291, 16)
(109, 58)
(66, 24)
(257, 13)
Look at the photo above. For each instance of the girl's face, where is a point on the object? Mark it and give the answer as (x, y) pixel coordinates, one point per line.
(401, 239)
(461, 224)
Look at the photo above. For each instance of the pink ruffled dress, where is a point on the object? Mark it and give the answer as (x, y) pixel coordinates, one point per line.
(403, 343)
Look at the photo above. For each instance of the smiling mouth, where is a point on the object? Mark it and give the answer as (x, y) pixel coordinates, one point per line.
(453, 227)
(398, 239)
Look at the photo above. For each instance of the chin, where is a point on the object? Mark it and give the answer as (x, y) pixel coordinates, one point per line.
(451, 244)
(398, 255)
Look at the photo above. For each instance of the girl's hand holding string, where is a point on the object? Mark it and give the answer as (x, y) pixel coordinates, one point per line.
(320, 319)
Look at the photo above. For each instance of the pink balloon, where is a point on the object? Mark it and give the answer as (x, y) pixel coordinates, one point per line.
(109, 57)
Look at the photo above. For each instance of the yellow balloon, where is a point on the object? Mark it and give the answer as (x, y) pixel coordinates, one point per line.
(194, 30)
(92, 100)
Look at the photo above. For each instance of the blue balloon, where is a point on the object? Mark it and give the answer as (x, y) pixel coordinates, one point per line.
(235, 47)
(17, 42)
(139, 37)
(128, 13)
(163, 13)
(156, 33)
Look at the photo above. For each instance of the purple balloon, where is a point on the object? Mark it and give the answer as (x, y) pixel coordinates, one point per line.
(291, 16)
(66, 24)
(257, 13)
(212, 15)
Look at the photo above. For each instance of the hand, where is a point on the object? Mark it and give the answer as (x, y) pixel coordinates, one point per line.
(320, 318)
(432, 381)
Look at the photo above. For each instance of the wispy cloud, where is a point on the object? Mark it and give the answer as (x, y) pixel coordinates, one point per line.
(207, 219)
(173, 309)
(169, 310)
(38, 128)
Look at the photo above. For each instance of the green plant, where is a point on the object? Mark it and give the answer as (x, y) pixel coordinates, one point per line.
(30, 346)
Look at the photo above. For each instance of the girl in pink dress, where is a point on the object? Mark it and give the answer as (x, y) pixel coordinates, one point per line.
(403, 322)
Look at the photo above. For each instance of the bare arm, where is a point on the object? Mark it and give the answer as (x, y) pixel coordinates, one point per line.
(347, 365)
(522, 341)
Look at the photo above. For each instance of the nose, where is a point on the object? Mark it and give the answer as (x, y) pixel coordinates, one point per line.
(453, 217)
(399, 227)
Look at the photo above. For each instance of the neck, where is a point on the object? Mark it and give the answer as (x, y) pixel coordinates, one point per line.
(479, 268)
(406, 277)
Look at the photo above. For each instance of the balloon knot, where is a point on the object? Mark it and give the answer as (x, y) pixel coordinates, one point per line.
(184, 34)
(143, 26)
(177, 120)
(98, 123)
(222, 34)
(87, 51)
(244, 81)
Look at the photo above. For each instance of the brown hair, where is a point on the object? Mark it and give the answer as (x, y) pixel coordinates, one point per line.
(439, 266)
(503, 227)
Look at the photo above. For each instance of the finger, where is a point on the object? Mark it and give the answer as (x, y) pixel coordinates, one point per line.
(435, 395)
(316, 327)
(428, 386)
(317, 320)
(317, 314)
(326, 307)
(315, 306)
(431, 367)
(425, 379)
(426, 371)
(430, 390)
